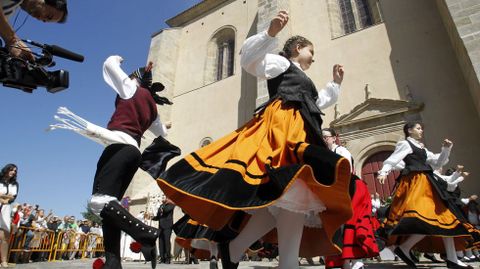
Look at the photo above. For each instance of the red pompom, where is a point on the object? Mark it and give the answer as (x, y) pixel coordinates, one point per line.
(98, 264)
(135, 247)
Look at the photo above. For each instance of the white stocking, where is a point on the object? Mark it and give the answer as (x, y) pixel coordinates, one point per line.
(450, 250)
(469, 254)
(289, 230)
(357, 264)
(213, 249)
(410, 242)
(258, 225)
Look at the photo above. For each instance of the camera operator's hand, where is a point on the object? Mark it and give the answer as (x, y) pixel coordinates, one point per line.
(18, 49)
(45, 11)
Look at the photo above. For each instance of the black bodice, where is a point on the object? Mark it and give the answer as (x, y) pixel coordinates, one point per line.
(295, 88)
(416, 161)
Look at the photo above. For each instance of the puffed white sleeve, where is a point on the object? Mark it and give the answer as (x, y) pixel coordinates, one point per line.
(455, 183)
(455, 179)
(402, 149)
(158, 128)
(342, 151)
(256, 59)
(116, 78)
(440, 159)
(328, 96)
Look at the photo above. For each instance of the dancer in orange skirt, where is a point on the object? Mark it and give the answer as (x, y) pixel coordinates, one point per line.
(358, 239)
(276, 167)
(421, 215)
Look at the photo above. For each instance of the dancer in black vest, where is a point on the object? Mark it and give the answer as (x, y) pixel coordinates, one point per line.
(276, 167)
(421, 215)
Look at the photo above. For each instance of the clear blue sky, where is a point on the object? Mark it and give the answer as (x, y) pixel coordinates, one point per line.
(56, 168)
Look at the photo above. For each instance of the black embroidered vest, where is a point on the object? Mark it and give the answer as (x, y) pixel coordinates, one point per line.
(416, 161)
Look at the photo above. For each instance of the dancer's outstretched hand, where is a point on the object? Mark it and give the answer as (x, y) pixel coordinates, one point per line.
(460, 168)
(338, 73)
(149, 67)
(381, 179)
(277, 23)
(447, 143)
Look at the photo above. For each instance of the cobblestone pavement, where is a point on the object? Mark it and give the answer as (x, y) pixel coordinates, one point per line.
(87, 263)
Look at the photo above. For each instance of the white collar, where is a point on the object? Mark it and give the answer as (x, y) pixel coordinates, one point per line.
(415, 142)
(297, 65)
(334, 146)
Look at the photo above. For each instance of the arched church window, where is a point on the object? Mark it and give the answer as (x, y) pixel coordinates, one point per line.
(220, 55)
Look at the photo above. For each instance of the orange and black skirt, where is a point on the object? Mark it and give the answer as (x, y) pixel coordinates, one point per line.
(418, 208)
(254, 166)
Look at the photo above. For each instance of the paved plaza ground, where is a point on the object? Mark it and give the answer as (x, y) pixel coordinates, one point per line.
(87, 263)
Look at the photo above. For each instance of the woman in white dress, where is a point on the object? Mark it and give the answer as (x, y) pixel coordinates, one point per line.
(8, 193)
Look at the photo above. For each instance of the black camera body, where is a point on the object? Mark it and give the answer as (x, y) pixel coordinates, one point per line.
(27, 76)
(21, 74)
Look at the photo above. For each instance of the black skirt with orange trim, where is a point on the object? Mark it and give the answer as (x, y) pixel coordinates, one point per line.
(187, 230)
(420, 207)
(254, 166)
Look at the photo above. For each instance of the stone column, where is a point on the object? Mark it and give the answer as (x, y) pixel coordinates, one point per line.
(462, 22)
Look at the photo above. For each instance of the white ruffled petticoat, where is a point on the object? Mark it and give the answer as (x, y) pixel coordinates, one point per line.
(300, 199)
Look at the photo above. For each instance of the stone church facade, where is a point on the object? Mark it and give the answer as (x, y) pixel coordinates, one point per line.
(404, 60)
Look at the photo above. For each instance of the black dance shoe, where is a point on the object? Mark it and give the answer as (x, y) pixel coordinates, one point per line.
(404, 257)
(413, 257)
(112, 261)
(150, 254)
(213, 263)
(224, 250)
(453, 265)
(310, 261)
(139, 231)
(431, 257)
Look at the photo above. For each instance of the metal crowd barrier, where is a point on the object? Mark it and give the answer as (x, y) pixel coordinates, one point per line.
(54, 245)
(28, 240)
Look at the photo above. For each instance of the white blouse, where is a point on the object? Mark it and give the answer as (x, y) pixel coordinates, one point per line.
(8, 189)
(342, 151)
(452, 181)
(257, 60)
(403, 148)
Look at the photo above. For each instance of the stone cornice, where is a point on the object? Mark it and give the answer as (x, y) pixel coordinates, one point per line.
(376, 117)
(377, 130)
(194, 12)
(389, 107)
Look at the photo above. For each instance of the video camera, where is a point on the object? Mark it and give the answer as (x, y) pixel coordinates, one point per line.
(27, 76)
